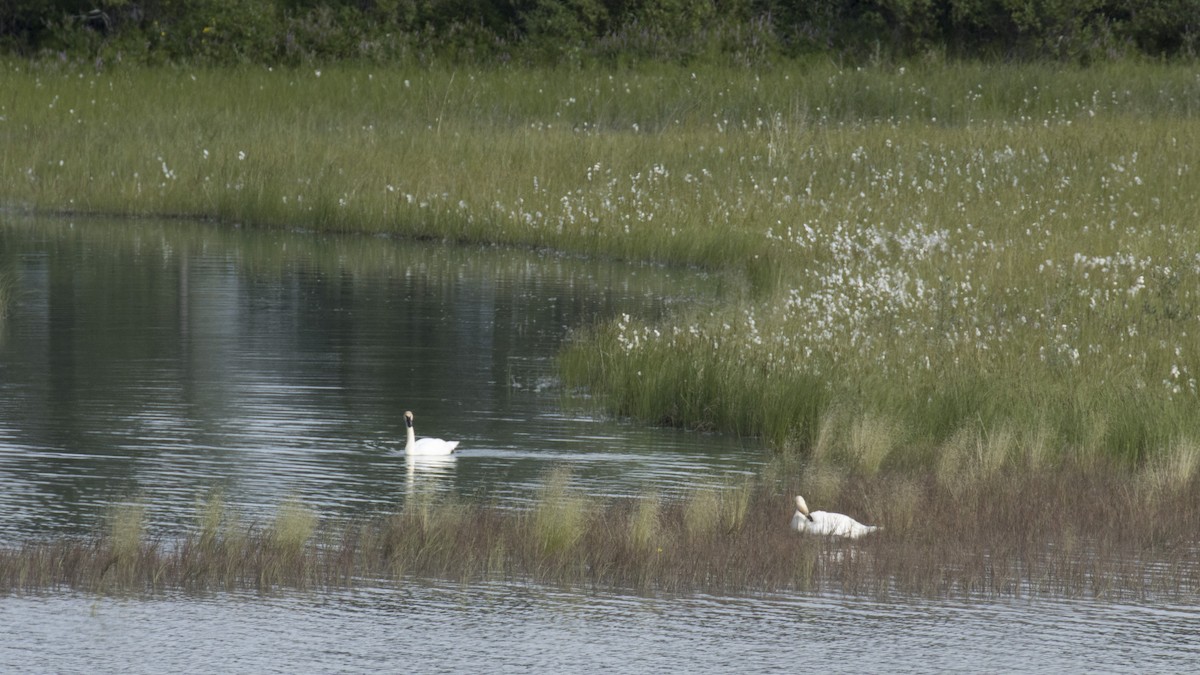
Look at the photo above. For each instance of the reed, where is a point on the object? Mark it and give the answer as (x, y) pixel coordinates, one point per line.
(294, 526)
(872, 438)
(127, 525)
(1169, 473)
(210, 515)
(559, 518)
(1006, 533)
(645, 523)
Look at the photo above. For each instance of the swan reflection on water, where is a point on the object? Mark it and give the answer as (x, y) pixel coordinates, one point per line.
(428, 470)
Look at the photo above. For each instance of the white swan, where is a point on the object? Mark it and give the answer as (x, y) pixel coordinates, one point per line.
(823, 522)
(425, 446)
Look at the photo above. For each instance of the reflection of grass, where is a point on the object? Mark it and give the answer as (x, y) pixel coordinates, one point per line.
(6, 295)
(1063, 531)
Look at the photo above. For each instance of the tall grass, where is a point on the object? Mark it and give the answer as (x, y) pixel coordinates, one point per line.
(1009, 533)
(917, 252)
(645, 524)
(1170, 472)
(294, 526)
(560, 515)
(127, 524)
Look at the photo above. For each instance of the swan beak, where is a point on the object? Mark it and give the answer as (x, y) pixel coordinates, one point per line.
(408, 419)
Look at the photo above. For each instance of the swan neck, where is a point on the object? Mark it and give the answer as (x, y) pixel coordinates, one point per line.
(412, 438)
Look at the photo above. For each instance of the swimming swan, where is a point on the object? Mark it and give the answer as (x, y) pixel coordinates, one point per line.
(425, 446)
(823, 522)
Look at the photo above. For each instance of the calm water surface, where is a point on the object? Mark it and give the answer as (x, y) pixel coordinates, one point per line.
(157, 361)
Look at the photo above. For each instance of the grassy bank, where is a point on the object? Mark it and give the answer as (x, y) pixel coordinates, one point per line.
(971, 537)
(940, 260)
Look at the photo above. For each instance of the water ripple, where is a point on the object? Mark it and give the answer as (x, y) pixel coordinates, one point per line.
(517, 627)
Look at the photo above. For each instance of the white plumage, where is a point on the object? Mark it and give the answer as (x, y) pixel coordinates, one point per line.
(425, 446)
(825, 523)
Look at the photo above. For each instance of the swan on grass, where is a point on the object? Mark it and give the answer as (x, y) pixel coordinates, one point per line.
(823, 522)
(426, 447)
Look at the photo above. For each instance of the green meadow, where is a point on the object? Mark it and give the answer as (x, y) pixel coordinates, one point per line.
(951, 268)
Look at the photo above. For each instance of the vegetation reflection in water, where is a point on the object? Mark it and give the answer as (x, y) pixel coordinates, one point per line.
(163, 358)
(6, 286)
(999, 536)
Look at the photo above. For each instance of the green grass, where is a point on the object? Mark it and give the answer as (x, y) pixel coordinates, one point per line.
(558, 520)
(294, 526)
(939, 266)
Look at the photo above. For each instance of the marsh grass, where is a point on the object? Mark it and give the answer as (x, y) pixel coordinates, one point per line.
(559, 519)
(860, 441)
(971, 456)
(294, 526)
(922, 249)
(1067, 531)
(127, 524)
(645, 523)
(210, 517)
(1171, 471)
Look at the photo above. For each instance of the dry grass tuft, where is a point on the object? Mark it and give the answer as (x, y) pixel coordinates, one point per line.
(127, 524)
(1169, 473)
(872, 438)
(294, 526)
(645, 523)
(560, 514)
(972, 455)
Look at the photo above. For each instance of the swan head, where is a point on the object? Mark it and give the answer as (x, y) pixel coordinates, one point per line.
(408, 418)
(802, 507)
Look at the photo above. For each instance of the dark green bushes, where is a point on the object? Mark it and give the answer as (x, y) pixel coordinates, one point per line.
(541, 31)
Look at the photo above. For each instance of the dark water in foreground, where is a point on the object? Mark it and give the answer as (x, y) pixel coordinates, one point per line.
(158, 361)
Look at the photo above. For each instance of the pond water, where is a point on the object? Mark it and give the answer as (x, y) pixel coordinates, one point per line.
(157, 361)
(506, 628)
